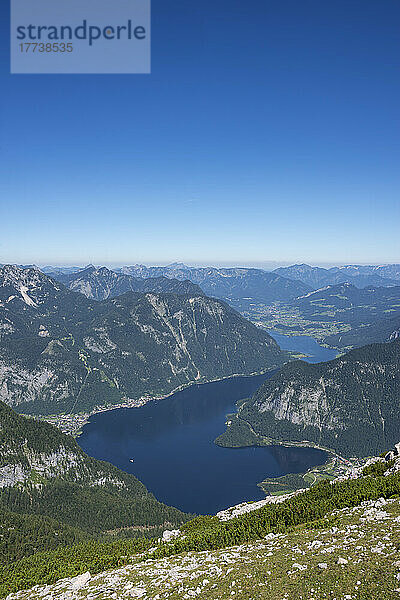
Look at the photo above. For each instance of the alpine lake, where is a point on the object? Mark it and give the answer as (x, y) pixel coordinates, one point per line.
(169, 444)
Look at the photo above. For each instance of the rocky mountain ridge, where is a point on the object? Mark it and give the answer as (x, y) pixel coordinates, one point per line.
(387, 270)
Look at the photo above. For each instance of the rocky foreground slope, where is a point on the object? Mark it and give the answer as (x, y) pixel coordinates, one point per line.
(351, 553)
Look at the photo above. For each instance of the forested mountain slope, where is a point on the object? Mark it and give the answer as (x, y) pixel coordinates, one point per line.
(44, 473)
(350, 404)
(392, 271)
(63, 353)
(350, 305)
(383, 330)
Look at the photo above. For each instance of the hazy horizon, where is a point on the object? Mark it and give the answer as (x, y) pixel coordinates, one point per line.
(267, 265)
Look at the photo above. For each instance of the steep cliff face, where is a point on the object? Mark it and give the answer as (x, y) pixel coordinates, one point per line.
(302, 405)
(350, 404)
(61, 352)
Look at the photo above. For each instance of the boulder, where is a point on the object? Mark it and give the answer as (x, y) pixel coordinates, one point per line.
(394, 468)
(80, 580)
(167, 536)
(390, 456)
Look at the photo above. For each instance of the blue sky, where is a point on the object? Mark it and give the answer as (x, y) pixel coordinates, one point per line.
(267, 131)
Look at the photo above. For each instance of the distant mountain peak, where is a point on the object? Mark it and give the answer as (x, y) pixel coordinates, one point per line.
(14, 275)
(104, 270)
(178, 265)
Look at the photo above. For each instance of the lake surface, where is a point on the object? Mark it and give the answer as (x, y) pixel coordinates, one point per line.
(305, 345)
(172, 444)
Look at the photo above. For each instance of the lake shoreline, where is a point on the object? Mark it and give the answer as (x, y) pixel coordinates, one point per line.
(169, 446)
(72, 424)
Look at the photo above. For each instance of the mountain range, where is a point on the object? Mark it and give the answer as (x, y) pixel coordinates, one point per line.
(63, 513)
(391, 271)
(102, 283)
(359, 276)
(61, 352)
(238, 286)
(314, 277)
(350, 404)
(241, 287)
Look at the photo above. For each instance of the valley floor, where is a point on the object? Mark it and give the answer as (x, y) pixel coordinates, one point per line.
(352, 554)
(288, 320)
